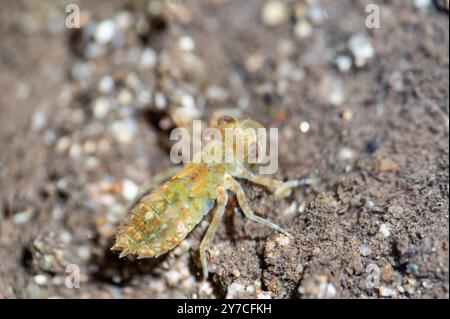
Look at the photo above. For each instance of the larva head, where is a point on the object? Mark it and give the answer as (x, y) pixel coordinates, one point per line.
(244, 139)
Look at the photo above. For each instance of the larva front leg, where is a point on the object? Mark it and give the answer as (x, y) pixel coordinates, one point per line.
(236, 188)
(280, 189)
(221, 203)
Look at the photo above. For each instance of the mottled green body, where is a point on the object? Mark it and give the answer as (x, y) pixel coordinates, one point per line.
(160, 220)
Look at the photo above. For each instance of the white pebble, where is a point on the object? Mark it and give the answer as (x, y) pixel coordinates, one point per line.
(129, 189)
(39, 121)
(40, 280)
(316, 14)
(343, 63)
(302, 29)
(274, 13)
(346, 154)
(106, 84)
(186, 43)
(387, 292)
(105, 31)
(304, 127)
(385, 230)
(124, 131)
(148, 58)
(100, 107)
(235, 290)
(423, 4)
(365, 250)
(160, 101)
(337, 95)
(23, 217)
(361, 49)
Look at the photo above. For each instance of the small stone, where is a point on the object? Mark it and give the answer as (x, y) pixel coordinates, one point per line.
(387, 165)
(84, 253)
(124, 131)
(40, 279)
(413, 268)
(125, 97)
(254, 62)
(160, 101)
(105, 31)
(149, 58)
(385, 230)
(343, 63)
(337, 95)
(23, 217)
(347, 115)
(365, 250)
(75, 150)
(63, 144)
(422, 4)
(304, 127)
(101, 107)
(106, 84)
(39, 121)
(263, 294)
(387, 292)
(274, 13)
(361, 49)
(316, 13)
(302, 29)
(387, 273)
(235, 291)
(346, 154)
(186, 43)
(129, 189)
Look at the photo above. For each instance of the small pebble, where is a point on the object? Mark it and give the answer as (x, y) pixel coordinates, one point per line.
(23, 217)
(274, 13)
(422, 4)
(40, 280)
(302, 29)
(385, 230)
(129, 189)
(316, 13)
(39, 121)
(304, 127)
(124, 131)
(101, 107)
(343, 63)
(148, 58)
(361, 49)
(106, 84)
(235, 290)
(186, 43)
(387, 165)
(365, 250)
(105, 31)
(346, 154)
(387, 292)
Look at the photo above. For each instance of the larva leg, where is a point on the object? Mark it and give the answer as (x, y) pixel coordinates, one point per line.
(280, 189)
(222, 200)
(234, 186)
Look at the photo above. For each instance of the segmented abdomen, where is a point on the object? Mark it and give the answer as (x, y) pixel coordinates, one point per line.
(160, 220)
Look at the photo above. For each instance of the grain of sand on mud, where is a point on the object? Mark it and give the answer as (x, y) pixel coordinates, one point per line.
(84, 122)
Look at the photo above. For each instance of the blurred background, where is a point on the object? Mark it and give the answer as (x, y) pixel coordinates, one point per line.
(358, 89)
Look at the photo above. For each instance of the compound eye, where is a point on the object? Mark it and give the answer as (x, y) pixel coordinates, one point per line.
(225, 120)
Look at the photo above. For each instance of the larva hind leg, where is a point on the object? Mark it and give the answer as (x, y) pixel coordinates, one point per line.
(280, 189)
(221, 203)
(236, 188)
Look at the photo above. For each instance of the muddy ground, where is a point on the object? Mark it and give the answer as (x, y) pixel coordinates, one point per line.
(85, 116)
